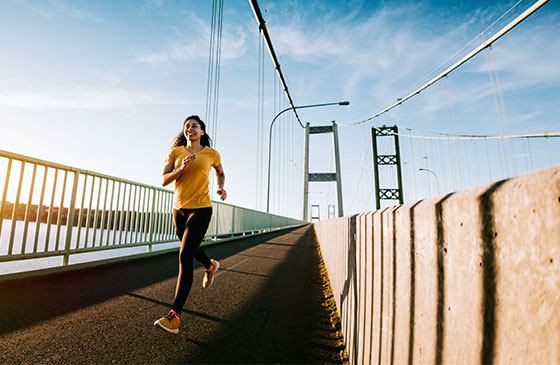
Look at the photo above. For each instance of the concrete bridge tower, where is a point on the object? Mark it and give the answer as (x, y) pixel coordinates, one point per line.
(321, 176)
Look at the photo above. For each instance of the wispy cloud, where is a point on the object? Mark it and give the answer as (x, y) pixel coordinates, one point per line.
(388, 54)
(84, 99)
(195, 44)
(57, 9)
(530, 56)
(174, 51)
(151, 4)
(383, 49)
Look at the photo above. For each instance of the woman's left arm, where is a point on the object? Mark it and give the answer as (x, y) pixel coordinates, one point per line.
(221, 181)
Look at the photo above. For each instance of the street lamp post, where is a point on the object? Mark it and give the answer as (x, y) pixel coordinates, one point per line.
(433, 173)
(270, 140)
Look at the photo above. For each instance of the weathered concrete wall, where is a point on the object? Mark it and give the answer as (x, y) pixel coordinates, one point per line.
(471, 277)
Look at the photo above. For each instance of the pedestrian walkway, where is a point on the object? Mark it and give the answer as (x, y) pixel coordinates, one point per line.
(265, 306)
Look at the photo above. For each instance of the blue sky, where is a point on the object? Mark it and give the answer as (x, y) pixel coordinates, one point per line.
(105, 85)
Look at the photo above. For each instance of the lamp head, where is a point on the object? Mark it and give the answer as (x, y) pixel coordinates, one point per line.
(344, 103)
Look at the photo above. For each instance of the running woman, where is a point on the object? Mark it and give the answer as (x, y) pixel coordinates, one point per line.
(188, 165)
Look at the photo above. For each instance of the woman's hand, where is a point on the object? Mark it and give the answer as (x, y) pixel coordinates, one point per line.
(187, 161)
(169, 174)
(222, 193)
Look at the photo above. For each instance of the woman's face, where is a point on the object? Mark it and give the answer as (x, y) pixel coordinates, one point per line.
(192, 130)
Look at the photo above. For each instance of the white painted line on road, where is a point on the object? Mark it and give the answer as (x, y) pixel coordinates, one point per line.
(231, 267)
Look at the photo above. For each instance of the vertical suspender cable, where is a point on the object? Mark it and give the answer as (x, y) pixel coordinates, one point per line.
(281, 157)
(475, 149)
(548, 152)
(277, 146)
(525, 153)
(452, 164)
(217, 71)
(264, 32)
(537, 5)
(258, 130)
(260, 106)
(412, 163)
(277, 167)
(530, 153)
(210, 78)
(488, 159)
(284, 156)
(275, 190)
(503, 109)
(295, 176)
(263, 131)
(213, 82)
(452, 126)
(262, 136)
(505, 163)
(425, 153)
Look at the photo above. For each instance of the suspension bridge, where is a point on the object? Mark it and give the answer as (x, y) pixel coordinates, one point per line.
(442, 245)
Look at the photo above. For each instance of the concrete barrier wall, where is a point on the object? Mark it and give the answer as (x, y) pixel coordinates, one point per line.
(470, 277)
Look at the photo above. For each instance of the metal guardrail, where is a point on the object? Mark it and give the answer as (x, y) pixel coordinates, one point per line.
(49, 209)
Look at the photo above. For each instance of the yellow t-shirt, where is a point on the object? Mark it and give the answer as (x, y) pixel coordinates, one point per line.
(191, 188)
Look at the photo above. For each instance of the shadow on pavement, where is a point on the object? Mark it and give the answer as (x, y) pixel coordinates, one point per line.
(284, 322)
(26, 302)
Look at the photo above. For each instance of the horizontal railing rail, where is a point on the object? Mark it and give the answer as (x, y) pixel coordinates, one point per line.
(49, 209)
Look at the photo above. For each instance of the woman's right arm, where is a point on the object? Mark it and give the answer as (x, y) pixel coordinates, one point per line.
(169, 174)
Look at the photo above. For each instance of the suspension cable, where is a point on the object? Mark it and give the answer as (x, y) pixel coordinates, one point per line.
(264, 32)
(214, 64)
(439, 135)
(447, 71)
(427, 77)
(209, 77)
(217, 70)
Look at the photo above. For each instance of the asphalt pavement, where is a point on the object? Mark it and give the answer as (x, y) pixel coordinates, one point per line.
(265, 307)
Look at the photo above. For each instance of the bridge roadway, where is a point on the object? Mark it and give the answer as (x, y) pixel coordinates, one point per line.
(265, 306)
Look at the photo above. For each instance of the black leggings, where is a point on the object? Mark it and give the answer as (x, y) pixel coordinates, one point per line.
(191, 226)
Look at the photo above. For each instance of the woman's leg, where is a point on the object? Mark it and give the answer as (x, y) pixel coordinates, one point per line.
(193, 223)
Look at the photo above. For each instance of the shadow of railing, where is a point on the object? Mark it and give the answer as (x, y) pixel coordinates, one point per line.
(61, 293)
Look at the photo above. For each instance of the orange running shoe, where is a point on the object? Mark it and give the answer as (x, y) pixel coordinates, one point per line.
(170, 322)
(209, 274)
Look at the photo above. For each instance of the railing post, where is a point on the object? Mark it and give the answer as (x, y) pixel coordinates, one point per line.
(217, 219)
(152, 214)
(5, 192)
(70, 222)
(232, 219)
(98, 217)
(14, 212)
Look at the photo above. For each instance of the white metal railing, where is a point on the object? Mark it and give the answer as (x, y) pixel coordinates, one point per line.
(49, 209)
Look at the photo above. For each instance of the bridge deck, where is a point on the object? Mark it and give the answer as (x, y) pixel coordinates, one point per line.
(264, 307)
